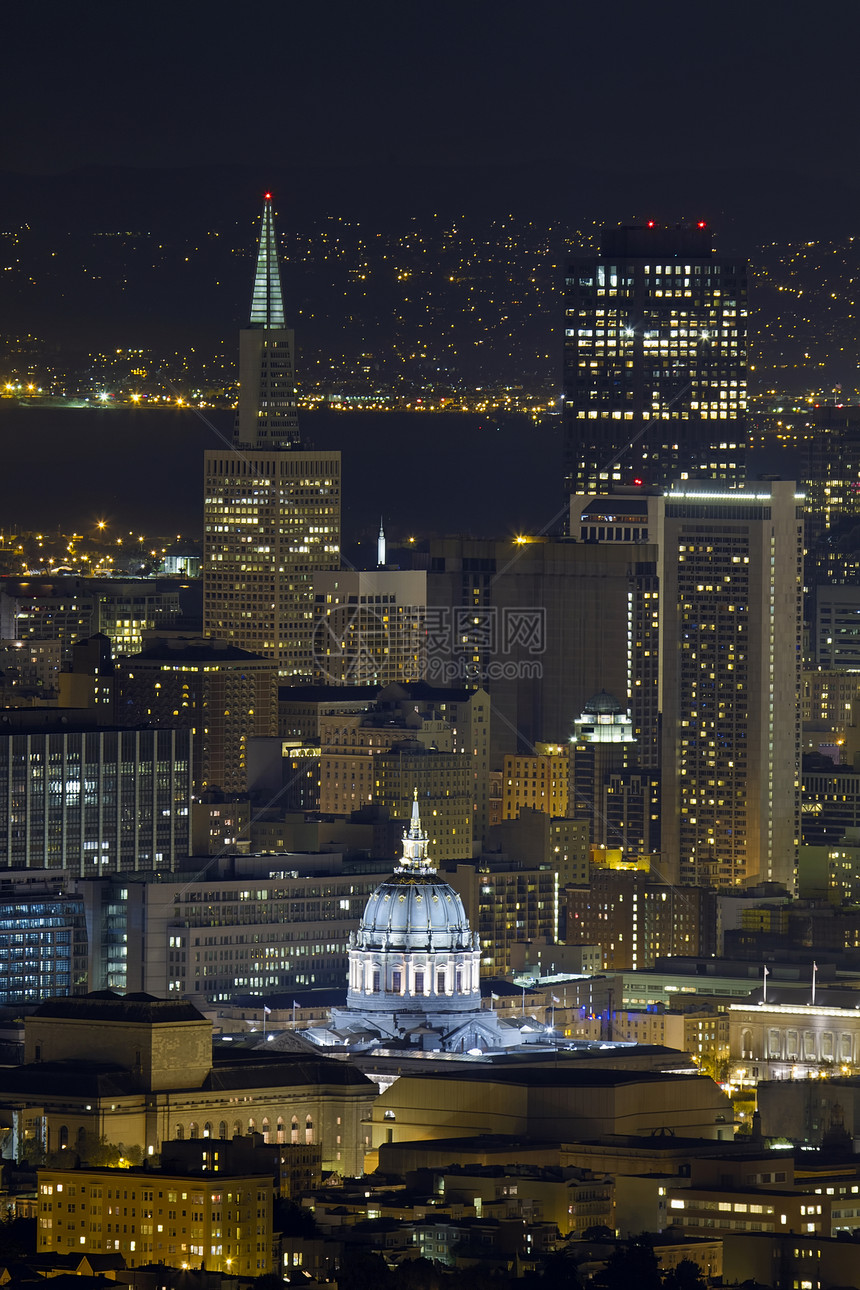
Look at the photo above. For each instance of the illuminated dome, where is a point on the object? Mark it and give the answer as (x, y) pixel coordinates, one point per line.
(414, 947)
(603, 705)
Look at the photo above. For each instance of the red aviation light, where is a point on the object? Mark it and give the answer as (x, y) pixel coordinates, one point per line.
(638, 483)
(267, 197)
(701, 224)
(651, 223)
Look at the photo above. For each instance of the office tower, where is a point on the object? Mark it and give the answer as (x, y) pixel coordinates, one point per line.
(543, 625)
(835, 627)
(731, 585)
(369, 627)
(267, 415)
(655, 361)
(223, 695)
(617, 799)
(271, 509)
(70, 609)
(92, 800)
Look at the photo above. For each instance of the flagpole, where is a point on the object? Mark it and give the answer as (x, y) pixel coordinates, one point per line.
(764, 986)
(814, 970)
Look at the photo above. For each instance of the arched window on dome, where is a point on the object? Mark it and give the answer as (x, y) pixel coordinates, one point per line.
(281, 1135)
(419, 982)
(294, 1129)
(377, 980)
(397, 981)
(309, 1130)
(194, 1131)
(459, 980)
(265, 1129)
(222, 1130)
(440, 981)
(207, 1130)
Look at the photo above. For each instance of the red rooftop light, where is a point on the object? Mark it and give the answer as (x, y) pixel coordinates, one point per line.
(701, 224)
(650, 223)
(267, 196)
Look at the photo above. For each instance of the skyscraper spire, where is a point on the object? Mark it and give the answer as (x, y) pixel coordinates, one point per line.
(267, 305)
(267, 413)
(380, 545)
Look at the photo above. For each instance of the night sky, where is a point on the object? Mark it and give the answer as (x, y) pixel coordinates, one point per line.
(668, 85)
(744, 113)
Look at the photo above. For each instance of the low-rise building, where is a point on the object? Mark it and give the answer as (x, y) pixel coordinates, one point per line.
(155, 1216)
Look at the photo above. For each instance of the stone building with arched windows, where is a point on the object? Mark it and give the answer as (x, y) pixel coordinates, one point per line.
(791, 1041)
(139, 1071)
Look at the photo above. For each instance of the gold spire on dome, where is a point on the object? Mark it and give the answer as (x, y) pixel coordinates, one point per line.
(415, 859)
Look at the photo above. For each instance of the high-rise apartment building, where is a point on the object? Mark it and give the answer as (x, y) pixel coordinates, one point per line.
(655, 361)
(610, 792)
(728, 587)
(731, 637)
(271, 509)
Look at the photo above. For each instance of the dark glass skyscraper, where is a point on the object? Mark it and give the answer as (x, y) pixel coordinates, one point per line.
(655, 361)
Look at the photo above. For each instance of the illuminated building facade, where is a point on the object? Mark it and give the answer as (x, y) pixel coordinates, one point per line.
(369, 627)
(414, 964)
(271, 510)
(267, 415)
(222, 694)
(444, 785)
(92, 800)
(635, 919)
(540, 781)
(454, 722)
(655, 361)
(230, 1229)
(271, 522)
(70, 609)
(731, 586)
(617, 799)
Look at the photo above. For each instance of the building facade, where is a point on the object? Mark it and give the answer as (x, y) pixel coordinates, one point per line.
(157, 1216)
(92, 800)
(731, 637)
(271, 513)
(369, 627)
(655, 361)
(223, 695)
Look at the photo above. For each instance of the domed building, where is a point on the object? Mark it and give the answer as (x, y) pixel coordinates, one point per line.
(414, 966)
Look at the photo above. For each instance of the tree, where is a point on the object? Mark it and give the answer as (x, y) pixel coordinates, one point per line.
(291, 1219)
(17, 1238)
(686, 1276)
(362, 1271)
(633, 1264)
